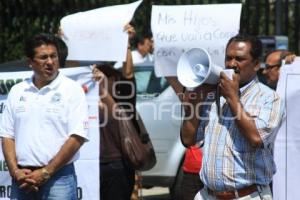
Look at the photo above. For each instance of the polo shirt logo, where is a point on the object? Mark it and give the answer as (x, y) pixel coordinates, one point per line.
(56, 98)
(22, 98)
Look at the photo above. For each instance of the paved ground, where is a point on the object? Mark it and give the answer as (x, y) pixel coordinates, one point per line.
(155, 193)
(157, 197)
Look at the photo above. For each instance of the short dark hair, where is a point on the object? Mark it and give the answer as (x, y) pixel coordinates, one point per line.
(38, 40)
(140, 39)
(256, 45)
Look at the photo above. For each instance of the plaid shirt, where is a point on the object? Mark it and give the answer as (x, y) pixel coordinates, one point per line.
(229, 162)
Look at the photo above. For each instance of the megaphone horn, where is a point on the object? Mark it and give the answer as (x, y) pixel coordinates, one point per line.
(195, 68)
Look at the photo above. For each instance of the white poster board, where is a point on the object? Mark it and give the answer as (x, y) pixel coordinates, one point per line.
(98, 35)
(179, 28)
(287, 143)
(87, 167)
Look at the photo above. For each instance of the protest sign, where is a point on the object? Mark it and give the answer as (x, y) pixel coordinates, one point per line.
(98, 35)
(287, 143)
(179, 28)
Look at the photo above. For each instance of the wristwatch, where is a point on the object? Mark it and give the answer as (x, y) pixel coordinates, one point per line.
(46, 174)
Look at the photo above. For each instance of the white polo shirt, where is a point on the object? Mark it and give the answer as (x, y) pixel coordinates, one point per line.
(137, 58)
(42, 120)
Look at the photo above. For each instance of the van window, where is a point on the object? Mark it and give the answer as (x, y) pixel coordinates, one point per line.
(147, 82)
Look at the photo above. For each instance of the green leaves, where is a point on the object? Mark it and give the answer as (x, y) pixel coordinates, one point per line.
(20, 19)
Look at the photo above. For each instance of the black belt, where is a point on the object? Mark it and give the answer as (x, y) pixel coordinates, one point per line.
(64, 170)
(32, 168)
(228, 195)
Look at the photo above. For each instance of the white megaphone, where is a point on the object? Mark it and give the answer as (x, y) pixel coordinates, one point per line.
(195, 68)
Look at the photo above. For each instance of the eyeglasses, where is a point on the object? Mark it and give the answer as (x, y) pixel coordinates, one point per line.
(45, 57)
(268, 67)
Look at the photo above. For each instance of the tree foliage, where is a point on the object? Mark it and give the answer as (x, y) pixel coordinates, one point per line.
(22, 18)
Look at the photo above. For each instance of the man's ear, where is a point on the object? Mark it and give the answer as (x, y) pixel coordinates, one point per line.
(257, 65)
(29, 62)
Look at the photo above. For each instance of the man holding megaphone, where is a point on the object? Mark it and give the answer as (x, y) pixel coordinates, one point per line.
(239, 139)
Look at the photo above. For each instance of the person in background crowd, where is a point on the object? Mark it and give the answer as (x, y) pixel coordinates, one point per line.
(142, 54)
(190, 183)
(273, 62)
(191, 167)
(43, 126)
(116, 176)
(151, 51)
(239, 131)
(143, 47)
(62, 51)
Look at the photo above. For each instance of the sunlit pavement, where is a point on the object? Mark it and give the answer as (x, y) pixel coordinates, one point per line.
(155, 193)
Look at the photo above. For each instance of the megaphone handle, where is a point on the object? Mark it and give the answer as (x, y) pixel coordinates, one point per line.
(183, 117)
(218, 101)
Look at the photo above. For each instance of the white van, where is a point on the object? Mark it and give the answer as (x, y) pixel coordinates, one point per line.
(160, 110)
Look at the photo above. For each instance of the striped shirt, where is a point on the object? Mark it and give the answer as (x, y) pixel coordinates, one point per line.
(229, 162)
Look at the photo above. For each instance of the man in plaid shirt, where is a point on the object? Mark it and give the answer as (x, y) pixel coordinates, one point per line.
(238, 128)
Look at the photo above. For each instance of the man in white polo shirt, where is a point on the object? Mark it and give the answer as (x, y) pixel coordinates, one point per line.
(43, 126)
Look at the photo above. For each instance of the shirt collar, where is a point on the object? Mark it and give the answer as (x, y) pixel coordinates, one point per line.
(246, 87)
(53, 84)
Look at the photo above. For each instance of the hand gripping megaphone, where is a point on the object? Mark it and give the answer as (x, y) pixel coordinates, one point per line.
(195, 68)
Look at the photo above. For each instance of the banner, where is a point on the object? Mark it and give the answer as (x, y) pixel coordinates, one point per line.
(287, 143)
(98, 34)
(87, 167)
(179, 28)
